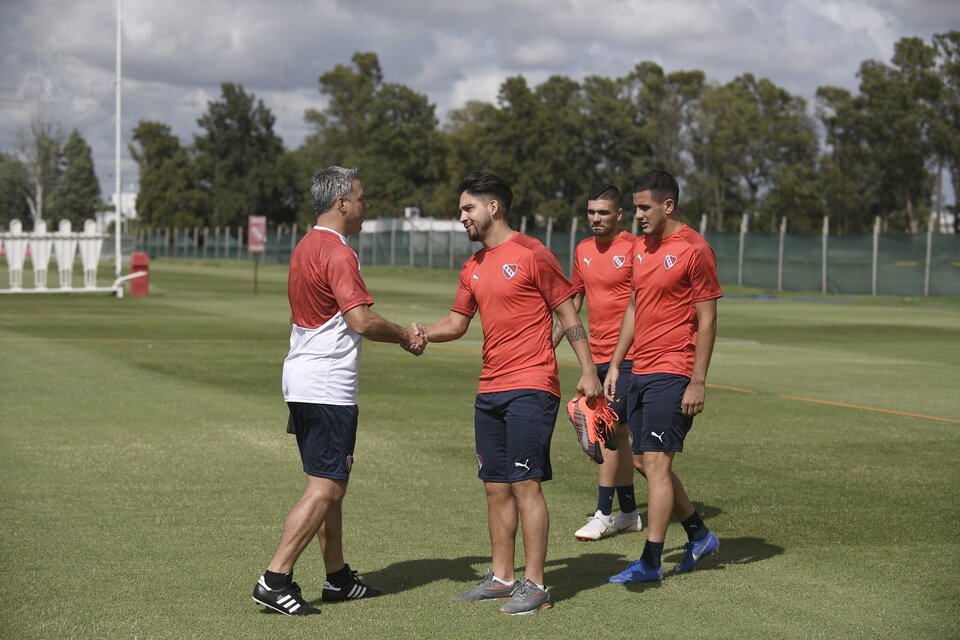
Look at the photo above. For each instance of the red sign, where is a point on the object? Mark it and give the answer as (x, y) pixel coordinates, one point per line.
(256, 234)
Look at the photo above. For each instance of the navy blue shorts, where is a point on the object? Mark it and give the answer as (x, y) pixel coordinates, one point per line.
(623, 386)
(326, 435)
(656, 423)
(513, 430)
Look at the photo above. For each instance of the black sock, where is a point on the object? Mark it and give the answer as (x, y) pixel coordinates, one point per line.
(340, 578)
(696, 530)
(277, 580)
(651, 554)
(605, 500)
(627, 499)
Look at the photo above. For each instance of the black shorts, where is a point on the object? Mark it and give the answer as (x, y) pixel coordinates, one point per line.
(656, 423)
(326, 435)
(623, 387)
(513, 430)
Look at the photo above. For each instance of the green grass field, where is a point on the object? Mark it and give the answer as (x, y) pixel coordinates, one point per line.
(145, 473)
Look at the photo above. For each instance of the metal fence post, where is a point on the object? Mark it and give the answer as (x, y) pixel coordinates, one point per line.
(573, 240)
(926, 271)
(783, 235)
(744, 221)
(452, 240)
(823, 277)
(549, 230)
(523, 224)
(703, 226)
(876, 256)
(393, 242)
(411, 239)
(430, 245)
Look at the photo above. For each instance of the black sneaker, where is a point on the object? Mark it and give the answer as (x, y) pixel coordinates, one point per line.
(353, 590)
(287, 600)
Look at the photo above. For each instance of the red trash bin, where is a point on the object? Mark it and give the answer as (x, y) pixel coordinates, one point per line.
(140, 261)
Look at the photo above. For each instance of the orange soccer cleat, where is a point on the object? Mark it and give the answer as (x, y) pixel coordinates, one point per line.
(595, 425)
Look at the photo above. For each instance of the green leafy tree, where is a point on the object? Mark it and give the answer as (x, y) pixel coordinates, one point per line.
(749, 132)
(76, 195)
(612, 135)
(468, 144)
(170, 195)
(898, 118)
(849, 177)
(40, 152)
(386, 129)
(239, 160)
(13, 185)
(945, 133)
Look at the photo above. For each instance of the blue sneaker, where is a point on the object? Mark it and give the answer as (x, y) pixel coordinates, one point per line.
(696, 551)
(638, 571)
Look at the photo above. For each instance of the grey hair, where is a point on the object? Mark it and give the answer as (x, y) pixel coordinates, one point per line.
(331, 183)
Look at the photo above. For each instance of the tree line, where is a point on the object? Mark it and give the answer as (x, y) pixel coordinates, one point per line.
(746, 146)
(50, 177)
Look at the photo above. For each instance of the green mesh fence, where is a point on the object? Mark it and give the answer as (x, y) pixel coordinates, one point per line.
(901, 259)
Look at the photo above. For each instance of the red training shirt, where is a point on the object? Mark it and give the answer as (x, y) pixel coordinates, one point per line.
(602, 272)
(515, 286)
(669, 276)
(324, 279)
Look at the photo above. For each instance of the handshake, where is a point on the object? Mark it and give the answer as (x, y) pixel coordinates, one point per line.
(414, 339)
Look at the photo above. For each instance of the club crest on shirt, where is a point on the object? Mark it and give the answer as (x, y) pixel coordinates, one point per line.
(669, 261)
(510, 270)
(619, 261)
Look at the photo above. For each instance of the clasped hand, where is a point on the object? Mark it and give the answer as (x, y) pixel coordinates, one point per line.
(416, 339)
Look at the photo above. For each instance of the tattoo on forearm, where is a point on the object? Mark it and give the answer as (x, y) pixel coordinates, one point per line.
(576, 332)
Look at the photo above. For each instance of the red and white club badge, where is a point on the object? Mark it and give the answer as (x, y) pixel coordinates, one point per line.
(619, 261)
(510, 270)
(669, 261)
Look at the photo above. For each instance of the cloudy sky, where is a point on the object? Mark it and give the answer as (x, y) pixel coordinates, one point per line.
(58, 56)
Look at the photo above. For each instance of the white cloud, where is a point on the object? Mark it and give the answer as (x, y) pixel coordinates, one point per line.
(58, 55)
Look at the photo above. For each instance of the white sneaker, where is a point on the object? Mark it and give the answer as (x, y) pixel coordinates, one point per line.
(628, 521)
(598, 526)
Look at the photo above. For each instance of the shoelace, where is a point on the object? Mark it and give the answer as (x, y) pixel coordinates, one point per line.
(357, 579)
(606, 419)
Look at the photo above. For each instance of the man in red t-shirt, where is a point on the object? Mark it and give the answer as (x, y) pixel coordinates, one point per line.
(602, 268)
(671, 322)
(515, 283)
(329, 313)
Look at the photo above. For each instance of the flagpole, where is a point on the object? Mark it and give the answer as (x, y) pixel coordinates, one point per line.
(116, 172)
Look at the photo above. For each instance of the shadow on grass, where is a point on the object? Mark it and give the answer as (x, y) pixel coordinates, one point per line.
(410, 574)
(732, 551)
(566, 576)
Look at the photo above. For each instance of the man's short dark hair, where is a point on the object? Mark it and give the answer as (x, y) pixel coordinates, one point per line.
(606, 192)
(489, 186)
(660, 184)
